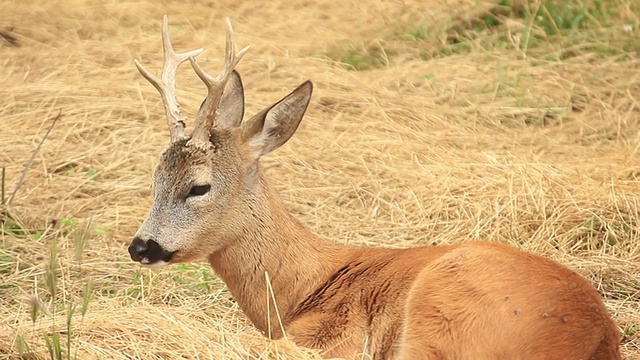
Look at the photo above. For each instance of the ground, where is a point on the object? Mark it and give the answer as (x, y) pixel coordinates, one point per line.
(432, 122)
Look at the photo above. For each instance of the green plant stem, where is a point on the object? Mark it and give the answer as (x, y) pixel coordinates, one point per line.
(2, 181)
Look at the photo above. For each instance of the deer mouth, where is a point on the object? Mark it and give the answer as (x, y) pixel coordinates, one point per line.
(149, 252)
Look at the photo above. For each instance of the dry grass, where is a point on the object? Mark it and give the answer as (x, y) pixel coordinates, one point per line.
(435, 140)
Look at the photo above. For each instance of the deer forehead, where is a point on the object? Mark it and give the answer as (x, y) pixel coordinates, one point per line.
(186, 161)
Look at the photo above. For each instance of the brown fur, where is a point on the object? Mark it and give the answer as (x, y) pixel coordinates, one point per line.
(470, 301)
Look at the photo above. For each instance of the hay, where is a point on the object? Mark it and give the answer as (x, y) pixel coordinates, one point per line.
(543, 155)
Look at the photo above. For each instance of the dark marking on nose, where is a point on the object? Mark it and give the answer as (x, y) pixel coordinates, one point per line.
(139, 250)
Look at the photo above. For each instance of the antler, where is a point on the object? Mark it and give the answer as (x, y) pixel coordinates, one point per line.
(206, 118)
(167, 86)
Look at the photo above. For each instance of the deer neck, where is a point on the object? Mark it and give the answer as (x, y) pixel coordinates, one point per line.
(277, 248)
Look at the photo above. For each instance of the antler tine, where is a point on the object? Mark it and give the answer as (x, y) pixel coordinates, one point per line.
(166, 86)
(215, 85)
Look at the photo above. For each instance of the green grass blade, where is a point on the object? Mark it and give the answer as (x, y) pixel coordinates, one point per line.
(86, 297)
(35, 308)
(81, 234)
(2, 186)
(23, 347)
(51, 270)
(47, 341)
(72, 309)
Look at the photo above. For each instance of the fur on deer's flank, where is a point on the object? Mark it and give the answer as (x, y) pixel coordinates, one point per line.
(474, 300)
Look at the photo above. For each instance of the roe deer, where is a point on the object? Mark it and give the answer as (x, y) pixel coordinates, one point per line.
(474, 301)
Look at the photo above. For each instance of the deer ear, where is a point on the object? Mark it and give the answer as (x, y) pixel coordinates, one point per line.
(273, 126)
(231, 108)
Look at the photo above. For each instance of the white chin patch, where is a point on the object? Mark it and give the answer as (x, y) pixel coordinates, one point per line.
(157, 264)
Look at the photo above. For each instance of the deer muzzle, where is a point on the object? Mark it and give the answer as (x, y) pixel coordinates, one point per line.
(148, 252)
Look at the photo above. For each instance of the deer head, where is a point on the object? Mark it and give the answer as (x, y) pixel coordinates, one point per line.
(206, 183)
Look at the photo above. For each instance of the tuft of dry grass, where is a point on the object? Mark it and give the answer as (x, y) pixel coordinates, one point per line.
(463, 119)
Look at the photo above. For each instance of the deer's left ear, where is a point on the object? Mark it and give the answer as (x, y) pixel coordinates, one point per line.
(231, 109)
(273, 126)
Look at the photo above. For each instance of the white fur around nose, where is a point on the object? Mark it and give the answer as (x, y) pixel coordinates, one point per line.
(157, 264)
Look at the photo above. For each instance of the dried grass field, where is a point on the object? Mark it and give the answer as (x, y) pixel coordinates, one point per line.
(432, 122)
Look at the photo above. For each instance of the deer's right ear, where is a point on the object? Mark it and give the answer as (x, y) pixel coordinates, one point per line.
(273, 126)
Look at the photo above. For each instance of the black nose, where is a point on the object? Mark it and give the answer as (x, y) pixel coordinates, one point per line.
(138, 249)
(148, 252)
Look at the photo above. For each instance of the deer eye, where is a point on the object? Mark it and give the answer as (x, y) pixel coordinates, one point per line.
(199, 190)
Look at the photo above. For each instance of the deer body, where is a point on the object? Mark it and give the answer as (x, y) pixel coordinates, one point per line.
(474, 300)
(445, 302)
